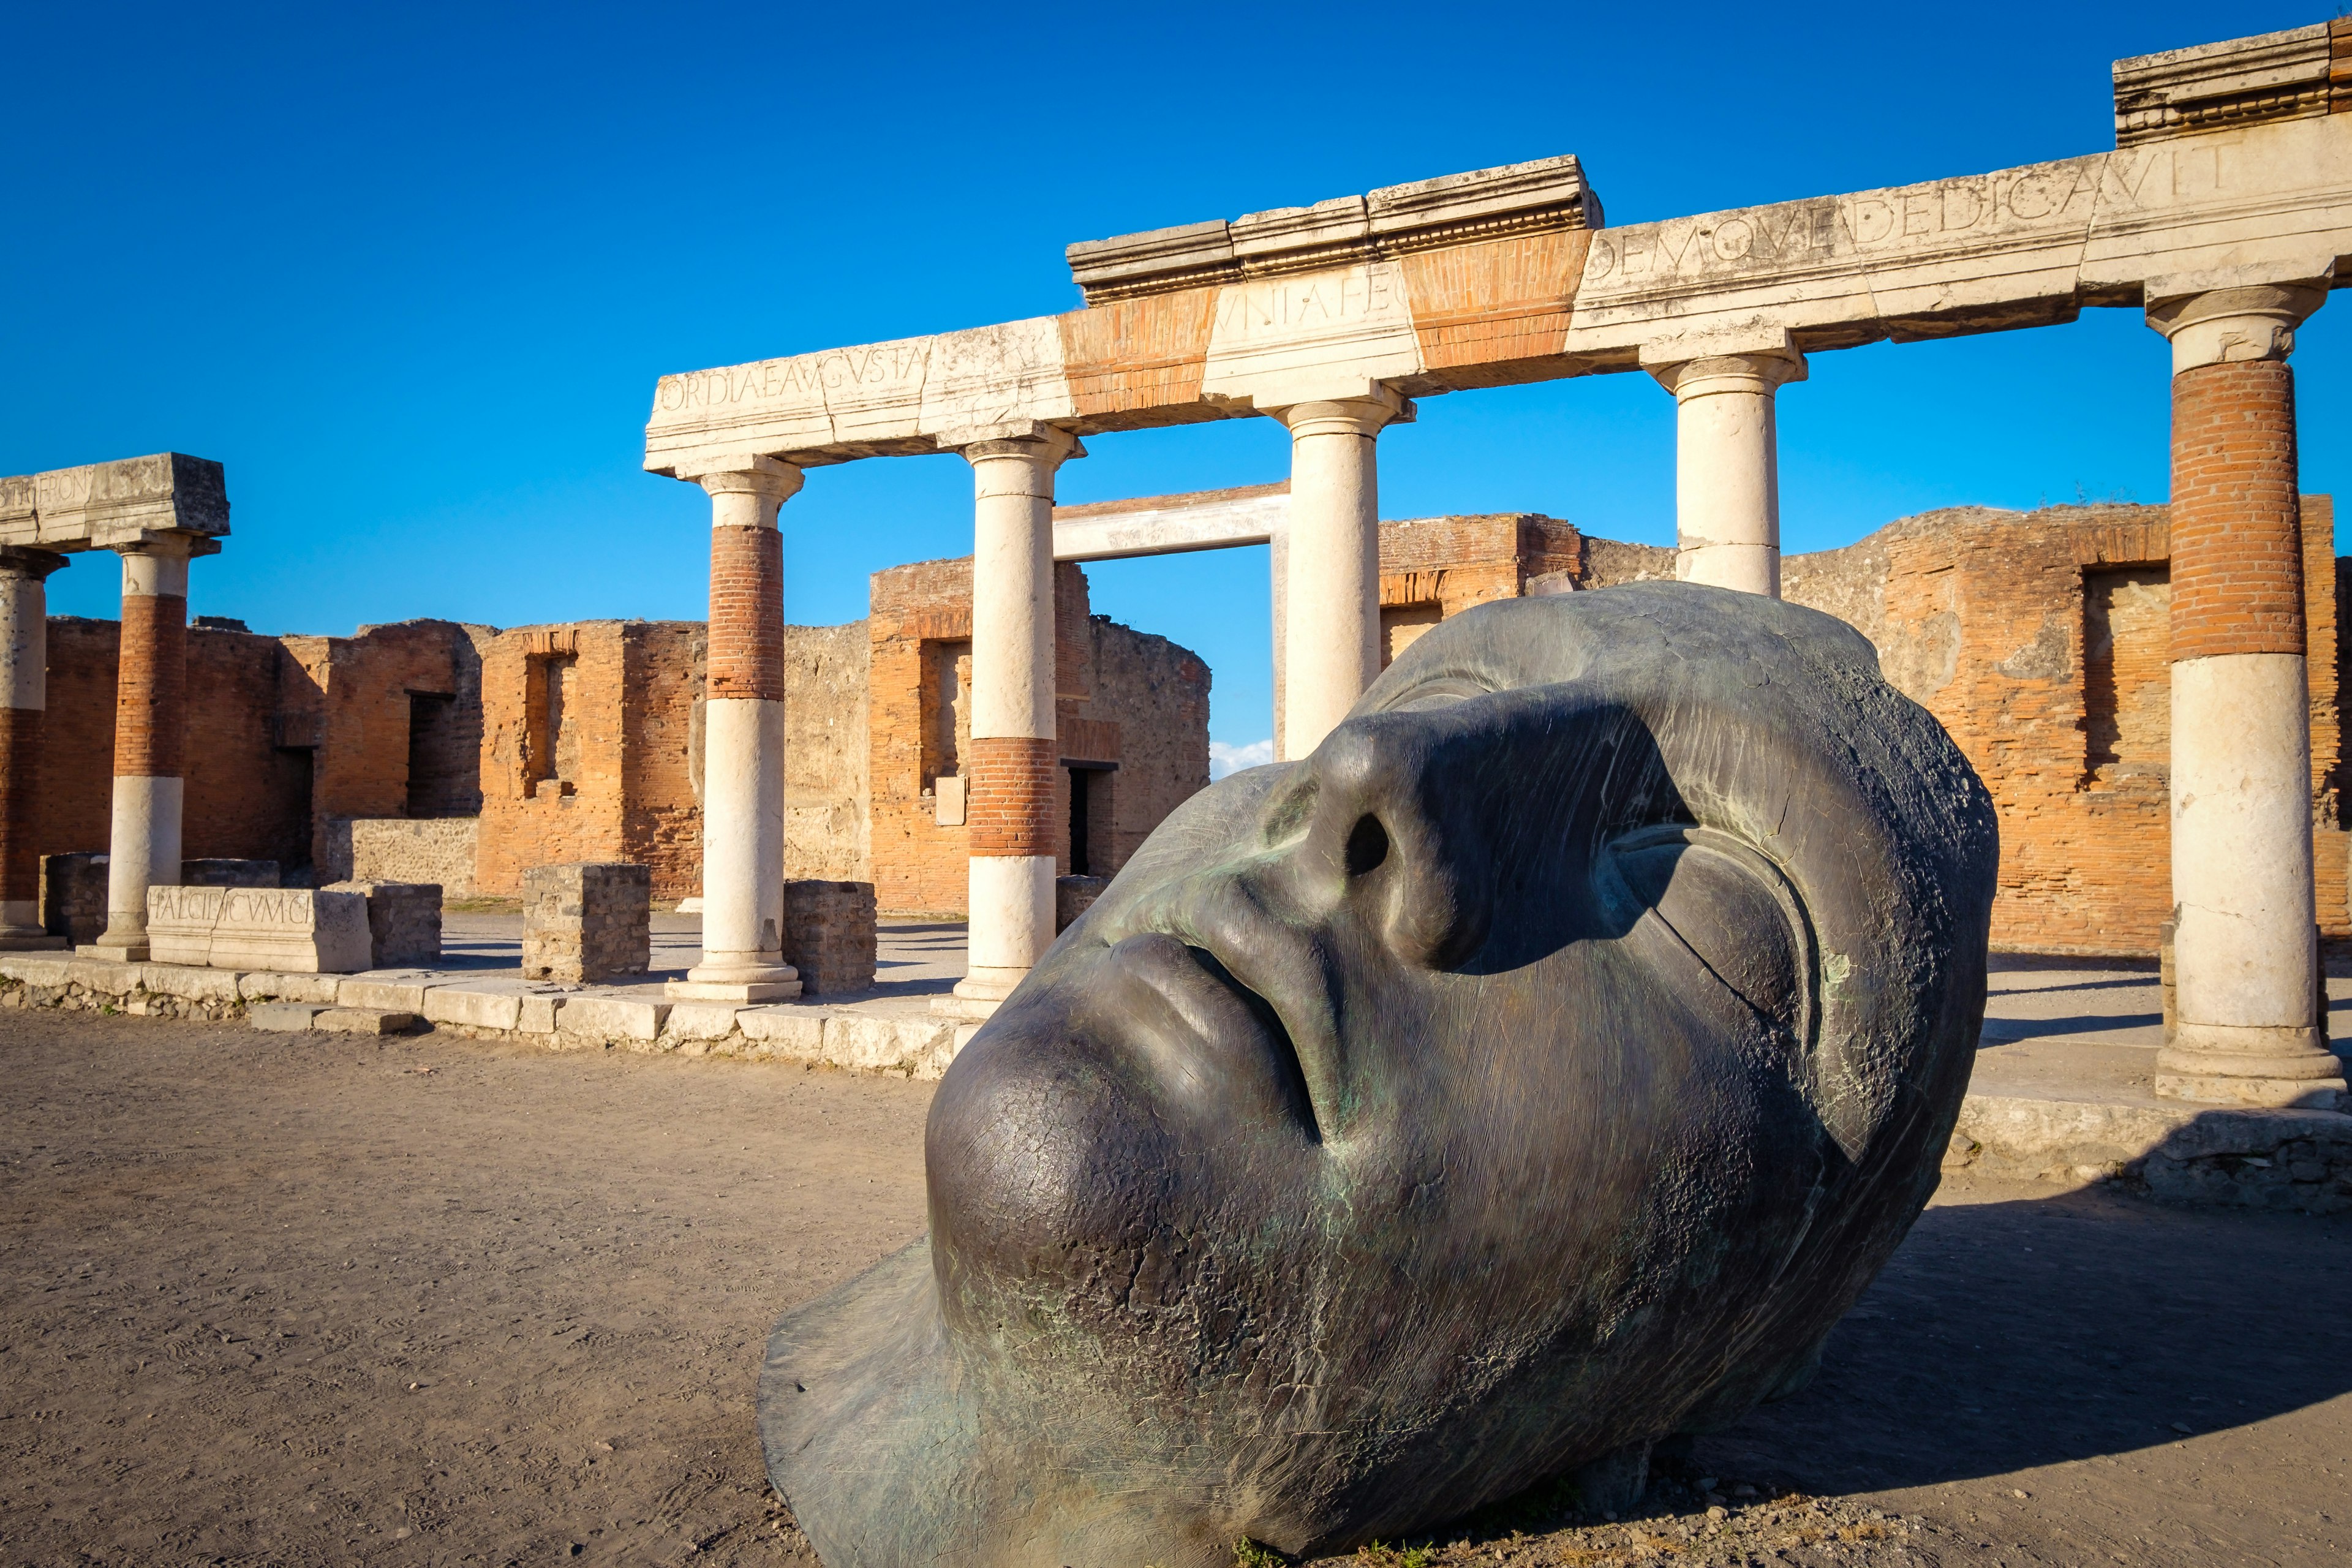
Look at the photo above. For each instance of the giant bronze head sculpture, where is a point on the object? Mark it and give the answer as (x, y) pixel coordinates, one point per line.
(1539, 1068)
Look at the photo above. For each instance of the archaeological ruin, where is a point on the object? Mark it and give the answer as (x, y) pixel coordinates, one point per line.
(2150, 693)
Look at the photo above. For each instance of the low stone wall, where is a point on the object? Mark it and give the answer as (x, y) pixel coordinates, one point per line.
(2297, 1161)
(829, 935)
(400, 849)
(586, 919)
(73, 896)
(914, 1044)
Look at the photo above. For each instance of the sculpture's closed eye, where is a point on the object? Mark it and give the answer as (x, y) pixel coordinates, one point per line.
(1732, 908)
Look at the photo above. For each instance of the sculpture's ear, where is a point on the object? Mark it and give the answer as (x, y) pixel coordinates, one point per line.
(1707, 898)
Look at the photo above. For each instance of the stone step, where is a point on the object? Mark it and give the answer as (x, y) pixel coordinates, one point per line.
(296, 1016)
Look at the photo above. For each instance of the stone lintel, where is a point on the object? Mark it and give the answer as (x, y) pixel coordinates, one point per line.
(2273, 76)
(1452, 209)
(105, 506)
(1172, 525)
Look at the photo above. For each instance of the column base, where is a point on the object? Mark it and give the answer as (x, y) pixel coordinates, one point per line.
(115, 952)
(977, 995)
(740, 977)
(2275, 1068)
(34, 940)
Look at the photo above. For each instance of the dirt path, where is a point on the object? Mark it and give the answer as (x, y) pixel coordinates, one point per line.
(270, 1298)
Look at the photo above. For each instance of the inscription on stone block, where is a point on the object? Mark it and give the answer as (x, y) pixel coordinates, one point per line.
(294, 931)
(1312, 334)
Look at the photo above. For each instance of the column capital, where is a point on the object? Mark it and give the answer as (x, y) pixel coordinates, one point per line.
(1366, 415)
(162, 544)
(18, 561)
(1697, 364)
(2233, 315)
(769, 479)
(1026, 441)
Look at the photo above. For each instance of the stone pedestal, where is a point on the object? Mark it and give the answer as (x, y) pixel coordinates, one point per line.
(150, 725)
(2247, 1030)
(403, 922)
(73, 896)
(1331, 606)
(1727, 461)
(23, 697)
(587, 920)
(288, 930)
(743, 742)
(830, 935)
(1014, 831)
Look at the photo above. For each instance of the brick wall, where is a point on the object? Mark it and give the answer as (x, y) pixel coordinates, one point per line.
(2043, 642)
(1121, 696)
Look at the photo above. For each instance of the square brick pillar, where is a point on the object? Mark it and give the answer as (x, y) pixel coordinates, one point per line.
(2248, 1030)
(24, 698)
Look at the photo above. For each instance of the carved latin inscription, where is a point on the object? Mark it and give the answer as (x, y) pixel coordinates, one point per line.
(1311, 334)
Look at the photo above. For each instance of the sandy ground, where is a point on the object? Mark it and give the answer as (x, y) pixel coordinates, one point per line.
(270, 1298)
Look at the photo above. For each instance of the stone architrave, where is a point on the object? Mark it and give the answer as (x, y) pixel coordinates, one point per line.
(289, 931)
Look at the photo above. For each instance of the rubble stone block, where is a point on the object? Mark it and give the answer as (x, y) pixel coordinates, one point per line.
(829, 935)
(1073, 896)
(73, 896)
(403, 921)
(585, 920)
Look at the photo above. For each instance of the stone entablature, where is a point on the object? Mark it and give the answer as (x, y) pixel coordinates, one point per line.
(2195, 204)
(105, 506)
(1397, 220)
(2302, 72)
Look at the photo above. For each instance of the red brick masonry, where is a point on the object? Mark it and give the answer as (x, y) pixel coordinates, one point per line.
(2237, 544)
(150, 706)
(747, 613)
(20, 782)
(1011, 806)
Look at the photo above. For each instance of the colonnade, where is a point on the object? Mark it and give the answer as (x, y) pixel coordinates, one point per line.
(150, 736)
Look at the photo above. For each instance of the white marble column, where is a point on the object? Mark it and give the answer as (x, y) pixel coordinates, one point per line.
(1012, 826)
(743, 742)
(150, 738)
(1727, 465)
(1278, 553)
(24, 699)
(2248, 1028)
(1332, 611)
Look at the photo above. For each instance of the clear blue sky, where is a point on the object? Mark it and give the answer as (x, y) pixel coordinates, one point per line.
(410, 272)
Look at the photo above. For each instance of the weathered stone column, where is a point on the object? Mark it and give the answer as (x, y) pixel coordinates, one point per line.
(744, 740)
(1009, 815)
(149, 731)
(2248, 1030)
(1332, 612)
(23, 697)
(1727, 463)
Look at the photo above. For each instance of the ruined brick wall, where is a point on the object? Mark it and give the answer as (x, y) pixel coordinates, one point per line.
(1435, 567)
(239, 805)
(2042, 641)
(663, 671)
(1121, 696)
(554, 762)
(827, 756)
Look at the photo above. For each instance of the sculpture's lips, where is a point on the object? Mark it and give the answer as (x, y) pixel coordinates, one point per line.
(1216, 1046)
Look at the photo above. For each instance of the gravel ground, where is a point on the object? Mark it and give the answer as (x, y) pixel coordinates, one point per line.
(270, 1298)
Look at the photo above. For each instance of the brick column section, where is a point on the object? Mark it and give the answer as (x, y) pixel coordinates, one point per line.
(1331, 611)
(1727, 462)
(2248, 1030)
(23, 697)
(744, 740)
(150, 729)
(1014, 833)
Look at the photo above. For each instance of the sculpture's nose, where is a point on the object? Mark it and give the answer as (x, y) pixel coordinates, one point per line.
(1385, 822)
